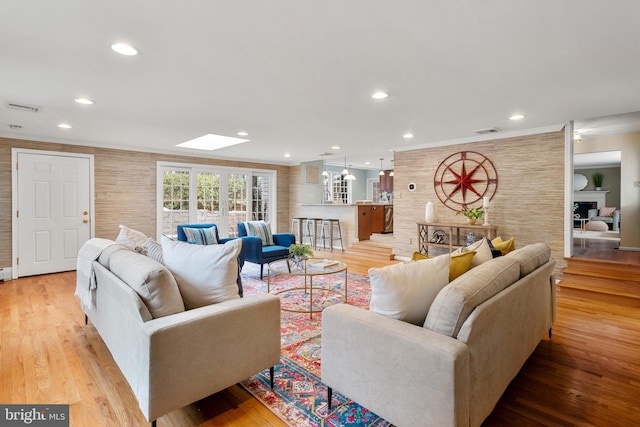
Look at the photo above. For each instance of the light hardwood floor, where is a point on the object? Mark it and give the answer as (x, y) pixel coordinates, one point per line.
(589, 374)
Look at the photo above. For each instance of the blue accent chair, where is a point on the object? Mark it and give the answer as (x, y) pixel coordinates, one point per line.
(183, 238)
(254, 252)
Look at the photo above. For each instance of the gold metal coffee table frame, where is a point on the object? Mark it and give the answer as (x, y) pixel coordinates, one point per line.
(308, 269)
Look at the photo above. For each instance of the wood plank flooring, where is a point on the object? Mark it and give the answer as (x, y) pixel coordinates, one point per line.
(589, 374)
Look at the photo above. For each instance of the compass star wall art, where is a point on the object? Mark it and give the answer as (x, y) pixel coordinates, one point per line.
(464, 178)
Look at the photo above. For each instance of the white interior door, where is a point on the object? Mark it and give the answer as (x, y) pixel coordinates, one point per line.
(54, 211)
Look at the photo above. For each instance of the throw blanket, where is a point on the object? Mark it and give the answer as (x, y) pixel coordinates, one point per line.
(85, 276)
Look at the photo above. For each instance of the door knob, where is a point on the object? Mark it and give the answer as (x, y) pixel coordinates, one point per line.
(85, 213)
(85, 221)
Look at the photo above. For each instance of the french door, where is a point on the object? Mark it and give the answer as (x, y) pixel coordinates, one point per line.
(193, 194)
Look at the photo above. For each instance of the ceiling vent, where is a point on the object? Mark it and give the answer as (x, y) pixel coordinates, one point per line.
(11, 126)
(487, 131)
(23, 107)
(324, 153)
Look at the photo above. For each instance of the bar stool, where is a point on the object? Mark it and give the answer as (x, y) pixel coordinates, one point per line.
(297, 224)
(327, 226)
(311, 231)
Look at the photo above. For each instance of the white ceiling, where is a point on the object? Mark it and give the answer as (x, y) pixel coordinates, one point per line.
(298, 75)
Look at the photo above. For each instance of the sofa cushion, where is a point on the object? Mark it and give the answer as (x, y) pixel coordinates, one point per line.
(456, 301)
(531, 257)
(482, 250)
(150, 279)
(154, 250)
(260, 229)
(105, 255)
(460, 264)
(131, 238)
(201, 236)
(405, 291)
(206, 274)
(504, 246)
(608, 211)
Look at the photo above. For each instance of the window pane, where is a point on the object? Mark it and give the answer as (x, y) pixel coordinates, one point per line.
(260, 198)
(237, 202)
(175, 203)
(208, 198)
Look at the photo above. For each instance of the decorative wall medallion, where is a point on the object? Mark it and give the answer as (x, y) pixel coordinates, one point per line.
(464, 178)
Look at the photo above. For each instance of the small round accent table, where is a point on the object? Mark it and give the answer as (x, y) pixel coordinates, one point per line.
(308, 269)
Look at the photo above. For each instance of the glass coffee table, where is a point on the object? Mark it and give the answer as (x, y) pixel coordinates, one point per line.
(308, 269)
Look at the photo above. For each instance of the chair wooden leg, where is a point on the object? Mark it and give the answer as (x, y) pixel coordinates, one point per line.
(271, 372)
(329, 396)
(86, 319)
(261, 268)
(550, 333)
(154, 423)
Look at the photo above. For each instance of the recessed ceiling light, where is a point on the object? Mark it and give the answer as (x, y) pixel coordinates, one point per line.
(379, 95)
(335, 147)
(367, 163)
(85, 101)
(124, 49)
(211, 142)
(287, 155)
(517, 117)
(64, 126)
(242, 133)
(407, 135)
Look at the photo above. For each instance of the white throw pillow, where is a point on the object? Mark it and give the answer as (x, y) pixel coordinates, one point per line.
(206, 274)
(406, 291)
(131, 238)
(483, 252)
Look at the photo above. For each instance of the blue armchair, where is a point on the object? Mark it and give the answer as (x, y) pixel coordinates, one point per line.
(183, 237)
(254, 252)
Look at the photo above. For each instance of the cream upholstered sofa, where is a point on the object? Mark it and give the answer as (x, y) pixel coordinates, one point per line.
(479, 331)
(170, 354)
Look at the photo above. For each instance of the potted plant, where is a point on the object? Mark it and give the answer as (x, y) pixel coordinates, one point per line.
(472, 214)
(597, 180)
(300, 252)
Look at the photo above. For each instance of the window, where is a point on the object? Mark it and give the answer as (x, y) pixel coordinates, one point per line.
(337, 189)
(196, 194)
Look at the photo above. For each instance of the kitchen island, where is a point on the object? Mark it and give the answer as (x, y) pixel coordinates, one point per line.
(357, 221)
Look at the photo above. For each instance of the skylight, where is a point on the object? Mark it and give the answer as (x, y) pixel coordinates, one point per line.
(212, 142)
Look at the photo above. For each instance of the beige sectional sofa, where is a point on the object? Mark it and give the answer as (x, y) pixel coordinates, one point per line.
(169, 355)
(451, 371)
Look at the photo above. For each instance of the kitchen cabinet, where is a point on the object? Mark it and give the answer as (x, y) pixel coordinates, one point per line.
(377, 218)
(386, 182)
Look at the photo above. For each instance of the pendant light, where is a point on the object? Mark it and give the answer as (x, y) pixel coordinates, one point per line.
(381, 173)
(350, 176)
(345, 171)
(324, 168)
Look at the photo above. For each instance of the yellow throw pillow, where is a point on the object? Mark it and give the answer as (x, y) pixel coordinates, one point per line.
(417, 256)
(504, 247)
(460, 264)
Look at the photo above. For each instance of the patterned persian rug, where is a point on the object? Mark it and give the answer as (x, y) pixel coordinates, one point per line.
(298, 397)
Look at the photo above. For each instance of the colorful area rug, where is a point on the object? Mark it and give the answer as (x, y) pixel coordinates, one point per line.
(298, 397)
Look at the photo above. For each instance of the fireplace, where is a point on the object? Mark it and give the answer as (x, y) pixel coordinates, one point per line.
(583, 208)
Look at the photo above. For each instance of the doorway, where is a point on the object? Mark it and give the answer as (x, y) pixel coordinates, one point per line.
(53, 205)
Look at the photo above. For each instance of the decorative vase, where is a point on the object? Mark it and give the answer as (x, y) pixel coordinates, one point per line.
(472, 221)
(298, 260)
(430, 212)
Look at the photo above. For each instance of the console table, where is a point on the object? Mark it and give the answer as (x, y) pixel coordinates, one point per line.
(454, 238)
